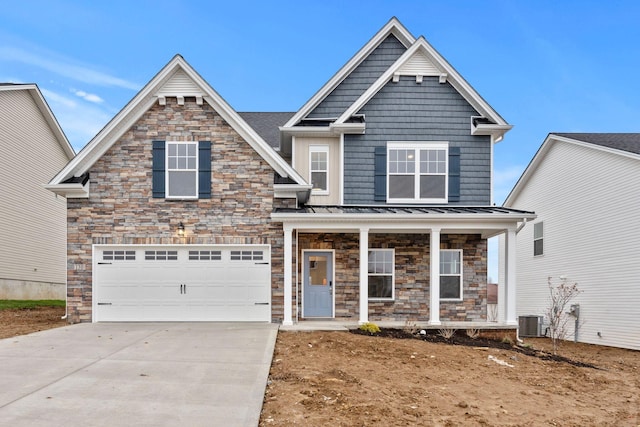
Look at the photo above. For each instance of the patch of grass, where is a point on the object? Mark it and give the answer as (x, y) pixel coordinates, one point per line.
(9, 304)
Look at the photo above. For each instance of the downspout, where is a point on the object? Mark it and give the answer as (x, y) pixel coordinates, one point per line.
(297, 281)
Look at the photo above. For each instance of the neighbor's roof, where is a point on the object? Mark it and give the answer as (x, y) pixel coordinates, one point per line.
(620, 141)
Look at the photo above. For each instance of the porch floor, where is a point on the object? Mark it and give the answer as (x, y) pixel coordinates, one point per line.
(345, 325)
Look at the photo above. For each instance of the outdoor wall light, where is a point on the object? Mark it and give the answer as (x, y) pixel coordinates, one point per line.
(181, 229)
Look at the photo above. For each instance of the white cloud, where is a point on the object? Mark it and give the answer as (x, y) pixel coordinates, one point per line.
(64, 67)
(88, 96)
(80, 122)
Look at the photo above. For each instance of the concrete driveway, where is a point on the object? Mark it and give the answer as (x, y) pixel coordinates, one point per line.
(138, 374)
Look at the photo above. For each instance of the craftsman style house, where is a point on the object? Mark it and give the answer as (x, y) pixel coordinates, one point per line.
(372, 202)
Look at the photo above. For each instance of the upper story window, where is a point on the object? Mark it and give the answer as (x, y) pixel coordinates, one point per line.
(319, 168)
(182, 170)
(417, 172)
(538, 238)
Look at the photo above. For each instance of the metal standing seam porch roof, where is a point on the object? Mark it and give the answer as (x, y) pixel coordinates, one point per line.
(404, 210)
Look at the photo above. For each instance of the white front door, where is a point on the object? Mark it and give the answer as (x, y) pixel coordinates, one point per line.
(182, 283)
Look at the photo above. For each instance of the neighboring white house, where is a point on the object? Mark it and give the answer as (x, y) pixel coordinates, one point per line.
(585, 190)
(32, 219)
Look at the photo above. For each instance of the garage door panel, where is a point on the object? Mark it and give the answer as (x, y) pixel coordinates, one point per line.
(169, 283)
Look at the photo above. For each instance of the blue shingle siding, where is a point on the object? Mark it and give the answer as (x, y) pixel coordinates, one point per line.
(360, 79)
(407, 111)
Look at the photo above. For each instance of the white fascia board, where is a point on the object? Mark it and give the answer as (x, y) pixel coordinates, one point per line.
(402, 221)
(392, 27)
(144, 100)
(289, 191)
(454, 78)
(70, 191)
(495, 131)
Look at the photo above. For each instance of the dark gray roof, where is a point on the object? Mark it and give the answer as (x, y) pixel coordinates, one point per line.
(436, 210)
(620, 141)
(267, 125)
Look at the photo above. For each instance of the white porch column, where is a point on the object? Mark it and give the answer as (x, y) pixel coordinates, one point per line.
(434, 283)
(502, 281)
(288, 273)
(364, 275)
(510, 277)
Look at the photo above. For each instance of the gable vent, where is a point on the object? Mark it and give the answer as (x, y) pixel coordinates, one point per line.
(180, 85)
(418, 65)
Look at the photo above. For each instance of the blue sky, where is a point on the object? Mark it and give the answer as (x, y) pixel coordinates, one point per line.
(545, 66)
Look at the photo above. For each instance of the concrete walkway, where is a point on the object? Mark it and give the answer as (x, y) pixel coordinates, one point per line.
(137, 374)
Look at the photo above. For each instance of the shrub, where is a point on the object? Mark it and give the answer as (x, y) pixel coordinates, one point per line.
(370, 327)
(446, 333)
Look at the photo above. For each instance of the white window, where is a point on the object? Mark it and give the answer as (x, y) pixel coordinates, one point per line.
(417, 172)
(381, 274)
(451, 274)
(538, 239)
(319, 168)
(182, 170)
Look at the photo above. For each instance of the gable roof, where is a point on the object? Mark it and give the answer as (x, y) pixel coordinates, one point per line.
(619, 141)
(393, 27)
(46, 112)
(420, 59)
(624, 144)
(267, 125)
(178, 79)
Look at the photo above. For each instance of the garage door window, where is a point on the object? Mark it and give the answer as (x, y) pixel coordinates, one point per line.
(205, 255)
(246, 255)
(161, 255)
(119, 255)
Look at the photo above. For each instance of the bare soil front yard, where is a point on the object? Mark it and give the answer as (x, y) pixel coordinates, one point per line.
(344, 379)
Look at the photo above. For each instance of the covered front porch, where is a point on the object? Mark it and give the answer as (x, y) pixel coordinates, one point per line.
(357, 241)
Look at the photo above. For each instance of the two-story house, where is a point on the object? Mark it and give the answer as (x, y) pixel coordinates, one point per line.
(376, 203)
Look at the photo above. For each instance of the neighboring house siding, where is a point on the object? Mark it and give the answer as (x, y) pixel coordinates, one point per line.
(32, 219)
(408, 111)
(360, 79)
(588, 201)
(121, 209)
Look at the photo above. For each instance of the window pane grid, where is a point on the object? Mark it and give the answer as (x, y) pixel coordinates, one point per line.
(182, 169)
(417, 173)
(380, 268)
(451, 274)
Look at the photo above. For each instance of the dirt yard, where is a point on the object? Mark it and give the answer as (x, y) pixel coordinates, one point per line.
(344, 379)
(28, 320)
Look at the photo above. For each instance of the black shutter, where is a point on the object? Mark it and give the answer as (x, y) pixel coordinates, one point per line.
(158, 167)
(454, 174)
(204, 170)
(380, 174)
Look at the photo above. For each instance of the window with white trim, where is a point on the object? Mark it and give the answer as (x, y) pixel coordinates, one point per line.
(538, 238)
(417, 172)
(182, 170)
(381, 274)
(319, 168)
(451, 274)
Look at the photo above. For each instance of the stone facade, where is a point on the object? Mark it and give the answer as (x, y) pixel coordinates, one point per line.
(411, 302)
(121, 210)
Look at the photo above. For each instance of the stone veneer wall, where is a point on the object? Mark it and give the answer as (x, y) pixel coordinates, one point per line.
(121, 210)
(411, 301)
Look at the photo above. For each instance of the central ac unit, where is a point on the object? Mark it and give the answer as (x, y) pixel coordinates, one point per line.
(530, 326)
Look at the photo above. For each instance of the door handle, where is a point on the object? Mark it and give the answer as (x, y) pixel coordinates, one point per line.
(185, 288)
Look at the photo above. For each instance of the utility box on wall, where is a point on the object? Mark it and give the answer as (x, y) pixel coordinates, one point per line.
(530, 326)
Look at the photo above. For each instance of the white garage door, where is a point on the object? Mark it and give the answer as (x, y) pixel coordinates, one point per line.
(181, 283)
